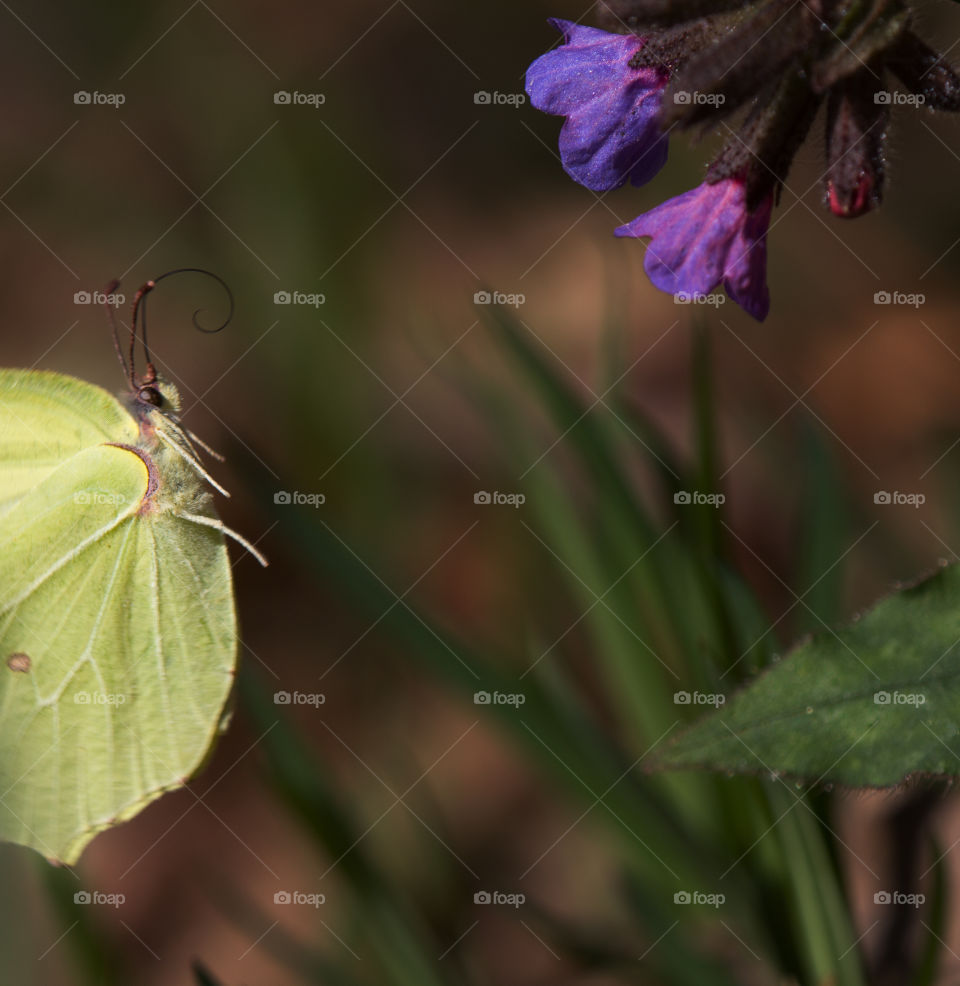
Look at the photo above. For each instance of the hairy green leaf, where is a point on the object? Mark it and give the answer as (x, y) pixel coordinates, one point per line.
(867, 706)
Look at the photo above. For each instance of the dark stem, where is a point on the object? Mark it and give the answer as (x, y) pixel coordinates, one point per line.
(908, 834)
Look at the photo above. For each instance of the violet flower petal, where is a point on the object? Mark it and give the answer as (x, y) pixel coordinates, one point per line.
(706, 237)
(612, 131)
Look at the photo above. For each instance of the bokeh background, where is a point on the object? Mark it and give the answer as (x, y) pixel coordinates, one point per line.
(386, 208)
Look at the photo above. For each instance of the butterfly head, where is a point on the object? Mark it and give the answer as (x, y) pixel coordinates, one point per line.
(149, 393)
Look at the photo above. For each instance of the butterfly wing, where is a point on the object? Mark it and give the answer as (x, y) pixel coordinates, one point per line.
(47, 417)
(117, 635)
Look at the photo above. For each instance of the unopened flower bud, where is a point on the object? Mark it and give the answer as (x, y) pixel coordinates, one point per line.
(857, 114)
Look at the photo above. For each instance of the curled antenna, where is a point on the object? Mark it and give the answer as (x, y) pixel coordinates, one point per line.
(140, 311)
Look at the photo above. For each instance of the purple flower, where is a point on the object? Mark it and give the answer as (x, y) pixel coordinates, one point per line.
(612, 130)
(707, 236)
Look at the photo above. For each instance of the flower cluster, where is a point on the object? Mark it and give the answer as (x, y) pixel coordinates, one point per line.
(757, 72)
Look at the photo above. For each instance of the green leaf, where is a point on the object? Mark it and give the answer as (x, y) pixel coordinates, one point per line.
(867, 706)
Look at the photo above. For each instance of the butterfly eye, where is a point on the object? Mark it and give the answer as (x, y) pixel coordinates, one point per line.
(150, 395)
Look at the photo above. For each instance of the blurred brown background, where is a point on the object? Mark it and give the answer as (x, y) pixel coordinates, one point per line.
(398, 198)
